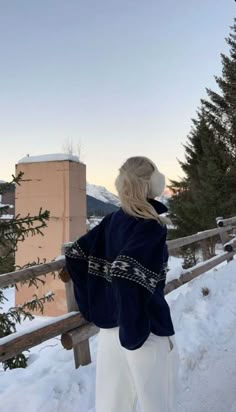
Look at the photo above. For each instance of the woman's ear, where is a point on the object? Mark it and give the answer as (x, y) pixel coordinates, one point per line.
(157, 184)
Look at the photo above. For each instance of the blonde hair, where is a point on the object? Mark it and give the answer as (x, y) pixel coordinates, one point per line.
(133, 186)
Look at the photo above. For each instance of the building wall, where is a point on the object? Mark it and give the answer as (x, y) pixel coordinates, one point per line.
(60, 187)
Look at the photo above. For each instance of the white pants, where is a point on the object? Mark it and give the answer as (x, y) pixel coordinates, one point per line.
(147, 375)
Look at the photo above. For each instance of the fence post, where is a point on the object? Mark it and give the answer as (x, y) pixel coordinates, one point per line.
(81, 351)
(224, 236)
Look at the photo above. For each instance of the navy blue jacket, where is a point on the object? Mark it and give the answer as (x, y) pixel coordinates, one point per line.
(119, 272)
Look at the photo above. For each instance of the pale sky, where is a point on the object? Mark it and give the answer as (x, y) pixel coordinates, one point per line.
(122, 77)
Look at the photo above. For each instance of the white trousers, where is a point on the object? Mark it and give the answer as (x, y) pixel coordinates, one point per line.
(146, 375)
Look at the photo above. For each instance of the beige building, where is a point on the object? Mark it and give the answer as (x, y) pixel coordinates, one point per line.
(56, 183)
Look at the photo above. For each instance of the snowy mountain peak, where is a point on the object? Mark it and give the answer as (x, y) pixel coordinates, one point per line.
(101, 193)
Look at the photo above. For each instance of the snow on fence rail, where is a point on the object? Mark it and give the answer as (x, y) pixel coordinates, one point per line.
(225, 222)
(188, 240)
(32, 272)
(231, 245)
(199, 269)
(74, 329)
(17, 342)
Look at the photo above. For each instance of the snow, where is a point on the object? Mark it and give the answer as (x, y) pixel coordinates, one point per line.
(205, 335)
(101, 193)
(93, 221)
(6, 217)
(55, 157)
(175, 268)
(231, 244)
(34, 326)
(2, 205)
(9, 294)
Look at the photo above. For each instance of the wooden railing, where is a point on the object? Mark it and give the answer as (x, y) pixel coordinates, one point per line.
(74, 330)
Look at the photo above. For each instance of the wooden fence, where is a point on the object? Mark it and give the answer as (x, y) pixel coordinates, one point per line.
(74, 330)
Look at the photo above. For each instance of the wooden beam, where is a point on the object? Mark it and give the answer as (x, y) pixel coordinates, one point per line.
(82, 354)
(81, 350)
(224, 236)
(226, 222)
(32, 272)
(64, 275)
(187, 240)
(73, 337)
(74, 324)
(18, 342)
(231, 245)
(197, 270)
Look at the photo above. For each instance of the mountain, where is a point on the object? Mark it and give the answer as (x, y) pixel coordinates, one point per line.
(102, 194)
(100, 201)
(98, 208)
(164, 198)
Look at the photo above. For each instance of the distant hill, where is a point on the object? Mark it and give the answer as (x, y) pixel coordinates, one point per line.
(101, 193)
(100, 201)
(98, 208)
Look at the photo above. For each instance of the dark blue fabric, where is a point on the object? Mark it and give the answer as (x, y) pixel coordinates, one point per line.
(118, 271)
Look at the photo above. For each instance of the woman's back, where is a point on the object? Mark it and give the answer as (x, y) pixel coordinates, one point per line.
(121, 266)
(119, 272)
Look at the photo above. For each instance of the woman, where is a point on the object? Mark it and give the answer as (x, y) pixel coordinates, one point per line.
(119, 272)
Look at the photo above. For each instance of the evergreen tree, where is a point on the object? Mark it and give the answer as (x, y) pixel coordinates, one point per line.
(198, 198)
(13, 231)
(181, 209)
(206, 166)
(221, 112)
(208, 189)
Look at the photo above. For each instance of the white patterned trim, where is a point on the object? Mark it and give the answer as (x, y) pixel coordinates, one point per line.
(99, 267)
(123, 266)
(129, 268)
(126, 268)
(76, 252)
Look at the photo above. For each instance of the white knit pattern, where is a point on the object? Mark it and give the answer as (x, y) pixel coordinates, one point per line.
(123, 266)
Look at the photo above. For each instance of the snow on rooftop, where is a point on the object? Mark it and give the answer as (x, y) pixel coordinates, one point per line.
(6, 217)
(54, 157)
(2, 205)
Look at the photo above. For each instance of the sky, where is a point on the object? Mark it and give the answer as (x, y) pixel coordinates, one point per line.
(117, 77)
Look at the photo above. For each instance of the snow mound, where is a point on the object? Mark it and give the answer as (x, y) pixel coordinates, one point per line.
(175, 268)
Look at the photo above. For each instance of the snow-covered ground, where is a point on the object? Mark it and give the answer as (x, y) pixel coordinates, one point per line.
(205, 334)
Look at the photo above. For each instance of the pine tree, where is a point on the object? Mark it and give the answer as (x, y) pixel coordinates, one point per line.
(13, 231)
(221, 112)
(206, 166)
(181, 209)
(208, 189)
(197, 198)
